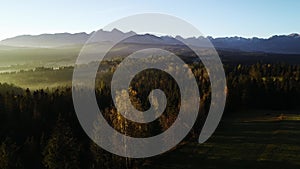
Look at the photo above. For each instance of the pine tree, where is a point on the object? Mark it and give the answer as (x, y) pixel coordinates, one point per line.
(8, 155)
(62, 150)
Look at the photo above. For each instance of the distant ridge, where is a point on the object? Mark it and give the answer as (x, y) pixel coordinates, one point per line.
(285, 44)
(62, 39)
(46, 40)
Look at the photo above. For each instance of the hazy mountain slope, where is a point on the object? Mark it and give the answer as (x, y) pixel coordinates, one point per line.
(46, 40)
(289, 44)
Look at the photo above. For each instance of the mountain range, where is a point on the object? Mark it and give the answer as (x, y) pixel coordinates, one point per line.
(283, 44)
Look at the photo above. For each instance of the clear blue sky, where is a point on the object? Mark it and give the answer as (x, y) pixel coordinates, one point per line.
(218, 18)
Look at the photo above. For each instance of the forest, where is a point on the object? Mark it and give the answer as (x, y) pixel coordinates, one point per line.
(39, 128)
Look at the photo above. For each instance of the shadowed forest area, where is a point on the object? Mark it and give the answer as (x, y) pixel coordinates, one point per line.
(39, 128)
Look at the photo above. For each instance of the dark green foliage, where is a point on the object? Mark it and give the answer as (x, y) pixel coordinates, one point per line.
(9, 155)
(39, 128)
(62, 150)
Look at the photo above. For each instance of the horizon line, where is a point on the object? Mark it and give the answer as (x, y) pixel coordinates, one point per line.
(208, 36)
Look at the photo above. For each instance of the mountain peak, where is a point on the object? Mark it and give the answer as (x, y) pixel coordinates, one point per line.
(115, 30)
(294, 35)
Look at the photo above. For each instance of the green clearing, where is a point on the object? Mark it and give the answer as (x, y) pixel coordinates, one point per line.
(253, 141)
(20, 58)
(39, 79)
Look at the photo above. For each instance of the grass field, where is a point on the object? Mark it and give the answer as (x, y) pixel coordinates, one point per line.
(253, 141)
(40, 79)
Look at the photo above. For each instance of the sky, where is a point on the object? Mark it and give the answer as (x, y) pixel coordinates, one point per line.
(217, 18)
